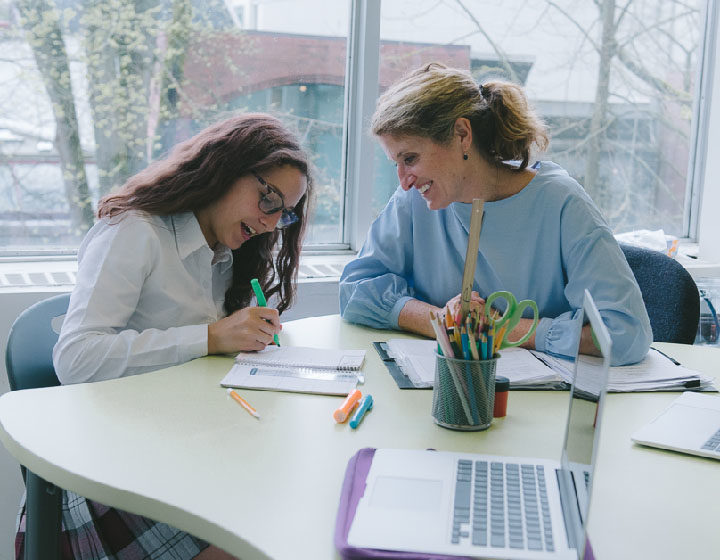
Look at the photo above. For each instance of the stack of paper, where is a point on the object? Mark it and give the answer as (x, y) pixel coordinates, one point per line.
(656, 372)
(529, 369)
(416, 358)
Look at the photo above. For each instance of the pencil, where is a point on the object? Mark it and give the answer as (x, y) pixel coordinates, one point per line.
(471, 341)
(448, 318)
(499, 338)
(455, 376)
(242, 402)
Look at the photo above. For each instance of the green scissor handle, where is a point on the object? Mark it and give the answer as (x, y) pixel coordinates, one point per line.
(513, 314)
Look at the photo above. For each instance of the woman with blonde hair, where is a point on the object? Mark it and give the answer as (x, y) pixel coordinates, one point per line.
(542, 238)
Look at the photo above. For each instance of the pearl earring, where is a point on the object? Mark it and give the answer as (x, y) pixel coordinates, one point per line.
(465, 157)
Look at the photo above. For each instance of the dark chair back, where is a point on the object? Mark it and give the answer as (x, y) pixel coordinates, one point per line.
(28, 360)
(669, 292)
(28, 357)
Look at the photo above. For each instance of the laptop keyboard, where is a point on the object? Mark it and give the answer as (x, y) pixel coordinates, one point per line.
(502, 505)
(713, 444)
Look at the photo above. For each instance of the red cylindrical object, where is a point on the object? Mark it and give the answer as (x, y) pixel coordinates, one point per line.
(502, 386)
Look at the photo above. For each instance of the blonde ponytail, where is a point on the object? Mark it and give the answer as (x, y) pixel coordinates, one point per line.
(429, 100)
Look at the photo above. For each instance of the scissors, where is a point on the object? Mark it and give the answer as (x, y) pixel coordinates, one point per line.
(510, 319)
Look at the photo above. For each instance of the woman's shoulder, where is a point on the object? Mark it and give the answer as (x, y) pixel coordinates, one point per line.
(556, 186)
(549, 173)
(136, 223)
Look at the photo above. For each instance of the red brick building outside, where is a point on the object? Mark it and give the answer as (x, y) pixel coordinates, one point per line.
(225, 65)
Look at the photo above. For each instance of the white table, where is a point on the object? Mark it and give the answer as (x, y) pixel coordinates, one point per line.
(171, 445)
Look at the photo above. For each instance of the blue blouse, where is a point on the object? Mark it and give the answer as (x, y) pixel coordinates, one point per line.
(549, 242)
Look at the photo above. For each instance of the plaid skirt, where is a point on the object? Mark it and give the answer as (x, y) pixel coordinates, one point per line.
(92, 531)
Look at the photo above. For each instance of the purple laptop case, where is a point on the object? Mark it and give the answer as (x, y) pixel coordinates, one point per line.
(353, 489)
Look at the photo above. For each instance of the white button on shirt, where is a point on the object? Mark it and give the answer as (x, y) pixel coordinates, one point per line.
(147, 287)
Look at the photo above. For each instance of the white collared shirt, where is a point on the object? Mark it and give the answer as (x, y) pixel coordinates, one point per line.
(147, 288)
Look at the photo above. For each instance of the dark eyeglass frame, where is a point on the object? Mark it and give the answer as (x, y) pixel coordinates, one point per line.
(273, 201)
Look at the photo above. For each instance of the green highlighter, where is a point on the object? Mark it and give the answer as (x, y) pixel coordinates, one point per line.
(261, 301)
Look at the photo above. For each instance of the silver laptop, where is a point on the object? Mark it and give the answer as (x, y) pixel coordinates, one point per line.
(690, 424)
(485, 506)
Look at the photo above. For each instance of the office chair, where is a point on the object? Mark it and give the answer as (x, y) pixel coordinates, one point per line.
(670, 295)
(28, 360)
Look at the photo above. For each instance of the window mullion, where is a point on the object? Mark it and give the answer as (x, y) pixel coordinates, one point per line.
(361, 91)
(701, 123)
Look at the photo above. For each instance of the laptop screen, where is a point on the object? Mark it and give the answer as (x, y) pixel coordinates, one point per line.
(582, 433)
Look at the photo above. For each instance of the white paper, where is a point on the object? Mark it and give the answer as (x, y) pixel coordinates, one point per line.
(299, 356)
(298, 380)
(532, 369)
(416, 359)
(654, 373)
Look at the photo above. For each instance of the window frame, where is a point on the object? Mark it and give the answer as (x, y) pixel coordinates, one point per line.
(361, 90)
(701, 124)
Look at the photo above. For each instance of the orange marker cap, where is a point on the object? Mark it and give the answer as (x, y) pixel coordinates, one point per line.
(342, 413)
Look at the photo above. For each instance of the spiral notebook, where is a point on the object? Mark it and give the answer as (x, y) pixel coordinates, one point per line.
(297, 369)
(300, 356)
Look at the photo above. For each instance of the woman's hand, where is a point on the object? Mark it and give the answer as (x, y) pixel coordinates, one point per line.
(476, 302)
(250, 328)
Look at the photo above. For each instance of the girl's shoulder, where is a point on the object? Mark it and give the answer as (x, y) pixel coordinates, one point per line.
(132, 230)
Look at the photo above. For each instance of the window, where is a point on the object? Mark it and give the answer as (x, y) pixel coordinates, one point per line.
(121, 82)
(615, 83)
(90, 93)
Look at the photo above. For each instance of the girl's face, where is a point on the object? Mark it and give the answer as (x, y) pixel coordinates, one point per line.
(435, 170)
(236, 217)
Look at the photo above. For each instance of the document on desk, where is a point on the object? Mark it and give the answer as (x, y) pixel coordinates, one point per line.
(303, 357)
(656, 372)
(529, 369)
(327, 371)
(292, 379)
(416, 359)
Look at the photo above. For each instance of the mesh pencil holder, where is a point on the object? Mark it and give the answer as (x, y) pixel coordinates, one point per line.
(464, 393)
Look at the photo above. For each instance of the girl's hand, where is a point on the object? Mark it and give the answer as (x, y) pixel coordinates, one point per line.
(250, 328)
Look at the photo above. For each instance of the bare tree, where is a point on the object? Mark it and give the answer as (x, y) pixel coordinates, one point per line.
(627, 34)
(120, 44)
(598, 123)
(45, 37)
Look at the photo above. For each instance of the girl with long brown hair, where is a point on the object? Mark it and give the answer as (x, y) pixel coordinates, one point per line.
(164, 277)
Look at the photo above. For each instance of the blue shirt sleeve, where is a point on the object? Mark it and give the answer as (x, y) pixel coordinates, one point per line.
(548, 243)
(594, 261)
(374, 287)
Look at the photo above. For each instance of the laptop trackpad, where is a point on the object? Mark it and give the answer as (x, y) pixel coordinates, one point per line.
(402, 513)
(407, 502)
(391, 492)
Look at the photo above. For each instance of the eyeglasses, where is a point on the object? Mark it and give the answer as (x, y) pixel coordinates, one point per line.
(272, 201)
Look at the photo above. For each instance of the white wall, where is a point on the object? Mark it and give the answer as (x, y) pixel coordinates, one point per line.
(314, 298)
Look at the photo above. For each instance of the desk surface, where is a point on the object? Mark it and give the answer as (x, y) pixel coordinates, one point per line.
(171, 445)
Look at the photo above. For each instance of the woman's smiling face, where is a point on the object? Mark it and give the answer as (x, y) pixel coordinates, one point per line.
(236, 217)
(433, 169)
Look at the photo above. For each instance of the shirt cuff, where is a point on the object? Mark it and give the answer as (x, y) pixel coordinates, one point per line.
(194, 342)
(558, 337)
(396, 309)
(541, 332)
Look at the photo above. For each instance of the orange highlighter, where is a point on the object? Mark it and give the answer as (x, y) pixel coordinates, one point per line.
(342, 413)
